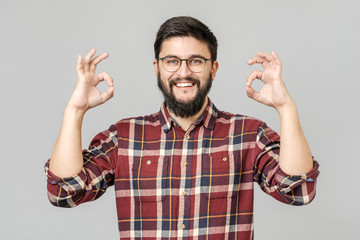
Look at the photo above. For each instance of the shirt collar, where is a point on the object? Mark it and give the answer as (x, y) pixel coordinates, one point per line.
(208, 118)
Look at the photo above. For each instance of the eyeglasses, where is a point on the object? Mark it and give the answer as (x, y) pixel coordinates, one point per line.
(195, 64)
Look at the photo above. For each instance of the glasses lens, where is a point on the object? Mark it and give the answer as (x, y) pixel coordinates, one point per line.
(171, 64)
(196, 64)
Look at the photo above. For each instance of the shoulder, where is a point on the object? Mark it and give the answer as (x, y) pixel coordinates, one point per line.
(133, 122)
(223, 116)
(148, 118)
(242, 124)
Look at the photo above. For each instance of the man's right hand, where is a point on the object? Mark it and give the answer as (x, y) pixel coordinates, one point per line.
(66, 159)
(86, 95)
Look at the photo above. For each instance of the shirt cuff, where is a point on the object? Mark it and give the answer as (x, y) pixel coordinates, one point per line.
(70, 184)
(289, 182)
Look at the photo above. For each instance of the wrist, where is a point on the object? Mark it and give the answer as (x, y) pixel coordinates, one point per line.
(289, 108)
(286, 104)
(73, 111)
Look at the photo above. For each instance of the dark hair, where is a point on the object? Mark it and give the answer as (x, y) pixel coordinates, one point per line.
(184, 26)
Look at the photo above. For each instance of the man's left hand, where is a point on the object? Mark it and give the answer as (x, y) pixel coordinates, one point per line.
(274, 92)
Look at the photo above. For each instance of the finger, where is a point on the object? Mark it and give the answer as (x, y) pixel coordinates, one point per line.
(265, 55)
(254, 60)
(109, 93)
(106, 77)
(96, 60)
(87, 59)
(254, 75)
(251, 93)
(79, 67)
(276, 57)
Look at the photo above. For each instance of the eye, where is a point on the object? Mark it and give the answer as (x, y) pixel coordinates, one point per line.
(196, 61)
(172, 61)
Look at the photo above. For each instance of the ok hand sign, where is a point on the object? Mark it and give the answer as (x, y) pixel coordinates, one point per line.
(86, 95)
(274, 92)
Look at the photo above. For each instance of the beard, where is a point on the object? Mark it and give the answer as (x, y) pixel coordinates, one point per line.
(189, 108)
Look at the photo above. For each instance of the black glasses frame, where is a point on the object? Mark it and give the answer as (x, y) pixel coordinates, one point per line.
(186, 60)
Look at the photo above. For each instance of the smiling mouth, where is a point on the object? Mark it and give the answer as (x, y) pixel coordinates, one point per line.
(184, 84)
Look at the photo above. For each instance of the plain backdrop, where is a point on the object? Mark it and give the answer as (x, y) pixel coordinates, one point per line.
(317, 41)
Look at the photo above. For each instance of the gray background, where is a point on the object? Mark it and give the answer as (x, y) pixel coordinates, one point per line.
(318, 42)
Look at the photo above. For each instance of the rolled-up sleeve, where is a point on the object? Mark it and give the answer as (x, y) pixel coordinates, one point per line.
(290, 189)
(95, 177)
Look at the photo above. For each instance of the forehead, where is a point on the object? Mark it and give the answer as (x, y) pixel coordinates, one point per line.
(184, 47)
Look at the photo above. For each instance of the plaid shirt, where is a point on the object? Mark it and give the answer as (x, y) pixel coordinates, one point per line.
(176, 184)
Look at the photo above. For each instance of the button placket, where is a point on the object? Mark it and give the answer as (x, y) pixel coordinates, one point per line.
(184, 192)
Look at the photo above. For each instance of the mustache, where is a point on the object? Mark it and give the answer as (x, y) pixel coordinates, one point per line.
(176, 80)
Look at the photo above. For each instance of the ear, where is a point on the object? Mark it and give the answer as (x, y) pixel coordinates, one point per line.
(214, 69)
(156, 66)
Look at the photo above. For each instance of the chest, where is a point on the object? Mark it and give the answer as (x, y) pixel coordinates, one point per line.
(199, 160)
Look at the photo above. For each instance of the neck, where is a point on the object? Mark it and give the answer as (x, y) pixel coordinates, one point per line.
(185, 123)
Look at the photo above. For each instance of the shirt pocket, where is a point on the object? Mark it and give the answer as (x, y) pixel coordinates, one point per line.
(150, 179)
(220, 175)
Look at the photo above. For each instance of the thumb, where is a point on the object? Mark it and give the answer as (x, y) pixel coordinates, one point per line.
(251, 93)
(109, 93)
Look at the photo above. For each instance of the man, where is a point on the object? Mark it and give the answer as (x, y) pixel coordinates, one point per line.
(187, 171)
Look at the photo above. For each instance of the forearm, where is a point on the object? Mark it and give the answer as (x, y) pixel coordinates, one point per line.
(295, 156)
(66, 159)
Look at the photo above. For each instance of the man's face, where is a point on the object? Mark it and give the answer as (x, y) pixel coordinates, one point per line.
(184, 91)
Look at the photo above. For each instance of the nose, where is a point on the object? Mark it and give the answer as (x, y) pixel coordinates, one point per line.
(183, 71)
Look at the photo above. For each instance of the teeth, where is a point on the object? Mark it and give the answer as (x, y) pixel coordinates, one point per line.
(184, 84)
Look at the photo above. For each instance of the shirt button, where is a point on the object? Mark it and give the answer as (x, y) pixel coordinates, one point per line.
(183, 226)
(148, 162)
(184, 193)
(224, 159)
(187, 136)
(185, 164)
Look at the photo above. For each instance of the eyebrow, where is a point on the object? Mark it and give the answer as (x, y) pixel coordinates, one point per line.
(192, 56)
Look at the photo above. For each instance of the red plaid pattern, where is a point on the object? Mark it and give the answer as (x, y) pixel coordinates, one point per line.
(172, 184)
